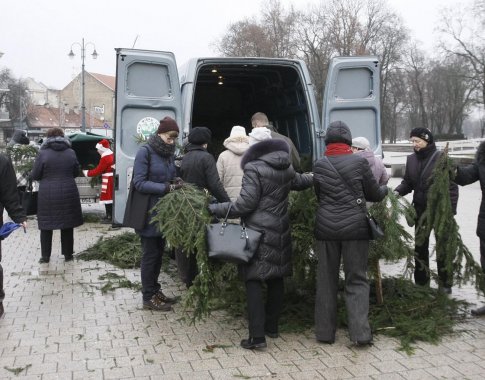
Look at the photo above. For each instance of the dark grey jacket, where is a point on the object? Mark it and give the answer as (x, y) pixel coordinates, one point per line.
(339, 216)
(471, 173)
(56, 166)
(263, 205)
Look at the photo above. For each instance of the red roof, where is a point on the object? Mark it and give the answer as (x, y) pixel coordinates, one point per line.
(107, 80)
(48, 117)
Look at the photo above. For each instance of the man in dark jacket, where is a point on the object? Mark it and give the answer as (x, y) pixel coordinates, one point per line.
(466, 175)
(417, 178)
(343, 182)
(10, 201)
(198, 167)
(263, 205)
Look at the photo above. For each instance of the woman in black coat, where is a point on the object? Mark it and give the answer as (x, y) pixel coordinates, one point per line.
(419, 170)
(59, 206)
(466, 175)
(263, 206)
(343, 182)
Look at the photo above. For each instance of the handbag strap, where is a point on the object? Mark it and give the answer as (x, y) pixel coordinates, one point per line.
(357, 198)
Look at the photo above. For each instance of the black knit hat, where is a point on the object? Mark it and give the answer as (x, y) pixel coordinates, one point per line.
(338, 132)
(200, 135)
(423, 133)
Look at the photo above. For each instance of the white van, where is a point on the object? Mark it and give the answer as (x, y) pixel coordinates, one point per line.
(219, 93)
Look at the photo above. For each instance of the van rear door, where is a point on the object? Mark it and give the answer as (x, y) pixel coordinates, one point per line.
(147, 90)
(352, 96)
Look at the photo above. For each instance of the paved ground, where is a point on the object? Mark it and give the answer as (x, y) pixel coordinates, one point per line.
(58, 325)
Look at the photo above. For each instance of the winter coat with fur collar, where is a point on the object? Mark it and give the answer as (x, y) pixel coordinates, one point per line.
(263, 205)
(471, 173)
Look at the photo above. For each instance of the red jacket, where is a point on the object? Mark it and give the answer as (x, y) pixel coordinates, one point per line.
(105, 169)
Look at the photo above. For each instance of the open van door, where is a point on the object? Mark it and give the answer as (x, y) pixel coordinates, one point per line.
(147, 90)
(352, 96)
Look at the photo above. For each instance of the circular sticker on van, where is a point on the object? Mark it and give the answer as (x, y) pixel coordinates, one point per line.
(147, 126)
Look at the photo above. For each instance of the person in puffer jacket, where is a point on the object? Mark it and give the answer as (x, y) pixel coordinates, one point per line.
(263, 206)
(342, 231)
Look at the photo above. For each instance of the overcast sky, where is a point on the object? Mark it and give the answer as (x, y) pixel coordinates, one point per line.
(36, 36)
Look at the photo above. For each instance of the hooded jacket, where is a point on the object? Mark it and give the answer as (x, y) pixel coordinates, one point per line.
(229, 165)
(471, 173)
(56, 166)
(263, 205)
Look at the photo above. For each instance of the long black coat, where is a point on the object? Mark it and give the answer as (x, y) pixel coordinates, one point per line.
(339, 216)
(263, 205)
(56, 166)
(418, 176)
(199, 167)
(475, 172)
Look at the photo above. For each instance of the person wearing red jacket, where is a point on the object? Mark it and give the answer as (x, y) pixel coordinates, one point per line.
(105, 170)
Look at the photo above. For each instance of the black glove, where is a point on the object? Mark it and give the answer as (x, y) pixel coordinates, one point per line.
(212, 208)
(169, 187)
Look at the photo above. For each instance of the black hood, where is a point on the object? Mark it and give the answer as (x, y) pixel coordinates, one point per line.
(264, 150)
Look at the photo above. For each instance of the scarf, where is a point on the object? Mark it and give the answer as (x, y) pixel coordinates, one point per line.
(161, 147)
(337, 149)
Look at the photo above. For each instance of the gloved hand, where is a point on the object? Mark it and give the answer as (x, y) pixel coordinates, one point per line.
(212, 208)
(85, 172)
(178, 181)
(169, 187)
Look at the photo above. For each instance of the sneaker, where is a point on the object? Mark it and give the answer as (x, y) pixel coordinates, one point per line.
(162, 297)
(252, 343)
(44, 260)
(1, 310)
(478, 312)
(156, 304)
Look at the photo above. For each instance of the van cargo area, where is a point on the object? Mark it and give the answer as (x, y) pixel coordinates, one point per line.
(229, 94)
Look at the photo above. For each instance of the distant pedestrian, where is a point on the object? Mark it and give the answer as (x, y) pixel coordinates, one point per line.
(229, 161)
(8, 200)
(59, 206)
(469, 174)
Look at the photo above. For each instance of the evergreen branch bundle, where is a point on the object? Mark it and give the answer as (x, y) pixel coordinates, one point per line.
(22, 156)
(439, 216)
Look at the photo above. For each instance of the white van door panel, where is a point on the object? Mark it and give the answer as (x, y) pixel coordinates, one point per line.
(147, 90)
(352, 96)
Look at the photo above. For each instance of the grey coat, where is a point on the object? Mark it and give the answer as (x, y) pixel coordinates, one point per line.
(56, 166)
(263, 205)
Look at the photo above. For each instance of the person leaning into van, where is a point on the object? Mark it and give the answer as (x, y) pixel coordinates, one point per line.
(229, 161)
(342, 179)
(198, 167)
(153, 172)
(361, 146)
(59, 206)
(263, 205)
(259, 120)
(419, 170)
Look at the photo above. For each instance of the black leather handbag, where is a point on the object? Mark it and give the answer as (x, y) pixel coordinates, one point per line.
(29, 200)
(136, 208)
(232, 243)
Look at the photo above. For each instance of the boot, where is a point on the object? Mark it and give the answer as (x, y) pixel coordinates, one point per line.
(252, 343)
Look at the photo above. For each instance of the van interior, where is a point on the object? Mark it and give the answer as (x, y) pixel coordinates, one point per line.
(229, 94)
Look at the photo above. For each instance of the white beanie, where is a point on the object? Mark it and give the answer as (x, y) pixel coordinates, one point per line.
(259, 134)
(238, 131)
(361, 143)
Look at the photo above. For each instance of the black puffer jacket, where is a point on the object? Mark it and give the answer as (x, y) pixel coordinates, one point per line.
(339, 217)
(9, 198)
(199, 168)
(263, 205)
(56, 166)
(475, 172)
(418, 176)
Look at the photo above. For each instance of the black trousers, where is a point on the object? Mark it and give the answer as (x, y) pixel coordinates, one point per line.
(67, 242)
(109, 210)
(482, 254)
(2, 292)
(151, 263)
(186, 266)
(263, 317)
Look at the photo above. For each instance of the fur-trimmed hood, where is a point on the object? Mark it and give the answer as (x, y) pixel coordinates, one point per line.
(480, 155)
(274, 152)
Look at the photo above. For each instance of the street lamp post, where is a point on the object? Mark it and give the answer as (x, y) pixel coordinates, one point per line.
(71, 55)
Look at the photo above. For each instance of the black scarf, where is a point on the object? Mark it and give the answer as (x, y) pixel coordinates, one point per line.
(161, 147)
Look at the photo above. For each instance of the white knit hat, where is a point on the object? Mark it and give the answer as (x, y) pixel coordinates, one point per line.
(238, 131)
(259, 134)
(361, 143)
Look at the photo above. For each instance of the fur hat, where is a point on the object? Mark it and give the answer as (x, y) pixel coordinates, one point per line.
(200, 135)
(259, 134)
(238, 131)
(102, 145)
(338, 132)
(167, 124)
(423, 133)
(361, 143)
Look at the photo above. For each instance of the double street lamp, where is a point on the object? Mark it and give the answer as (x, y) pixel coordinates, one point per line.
(71, 55)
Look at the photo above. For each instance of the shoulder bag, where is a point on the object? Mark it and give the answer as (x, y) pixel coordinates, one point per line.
(233, 243)
(29, 200)
(137, 204)
(375, 230)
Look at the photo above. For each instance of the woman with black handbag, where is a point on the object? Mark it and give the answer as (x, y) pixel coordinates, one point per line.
(154, 175)
(343, 182)
(263, 206)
